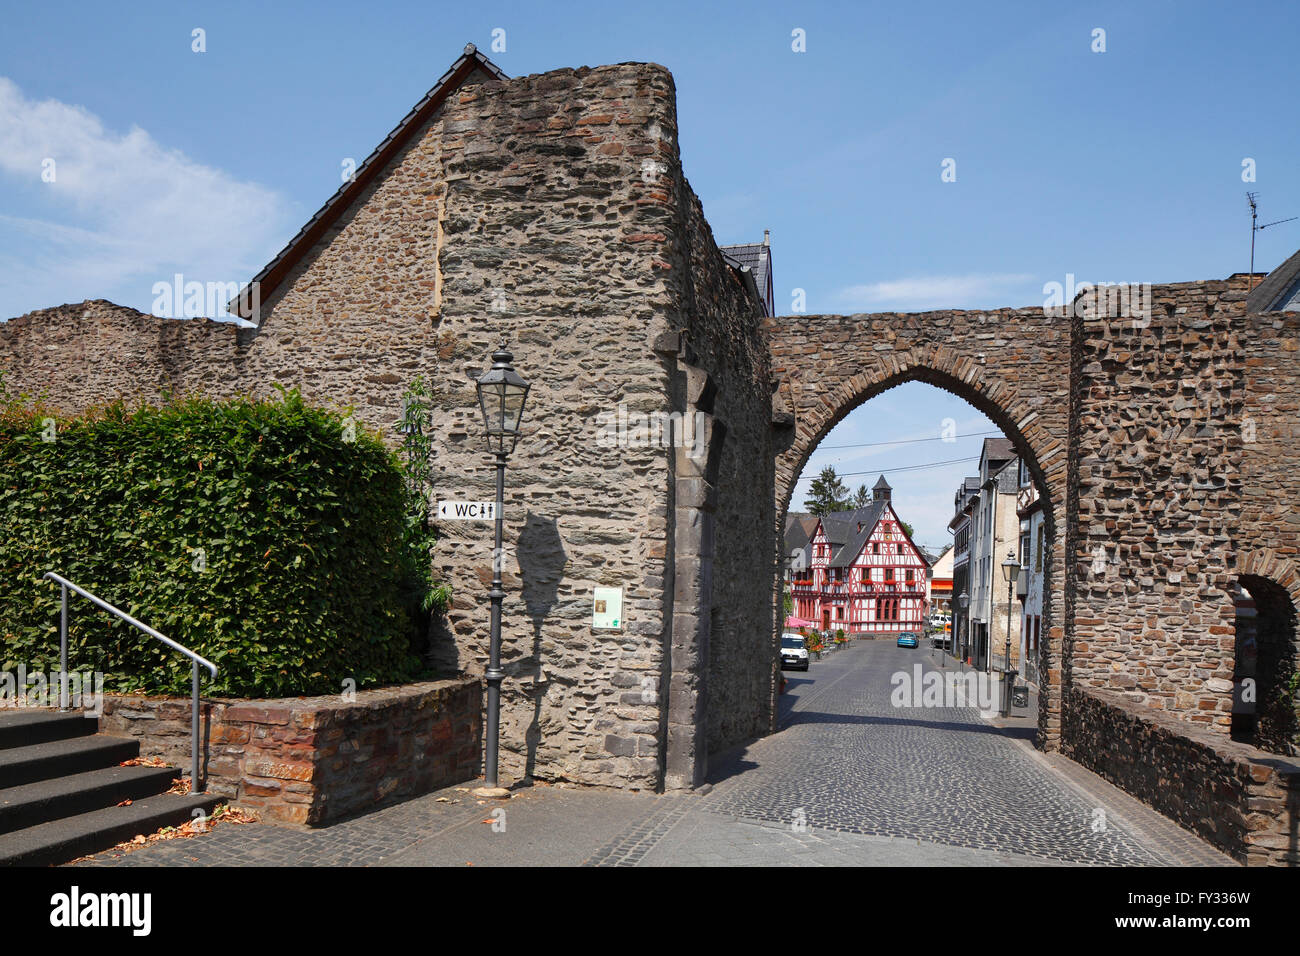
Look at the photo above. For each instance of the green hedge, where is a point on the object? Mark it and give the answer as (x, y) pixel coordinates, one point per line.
(307, 566)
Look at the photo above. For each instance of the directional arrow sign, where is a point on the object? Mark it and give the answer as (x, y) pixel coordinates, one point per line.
(467, 510)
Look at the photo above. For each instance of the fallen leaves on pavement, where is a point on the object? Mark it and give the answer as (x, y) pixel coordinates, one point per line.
(144, 762)
(224, 813)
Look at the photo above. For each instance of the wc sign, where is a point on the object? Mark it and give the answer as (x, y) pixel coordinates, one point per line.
(467, 510)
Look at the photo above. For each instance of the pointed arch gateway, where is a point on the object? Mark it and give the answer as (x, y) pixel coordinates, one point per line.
(1011, 364)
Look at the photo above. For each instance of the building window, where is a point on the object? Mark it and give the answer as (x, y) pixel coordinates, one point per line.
(909, 575)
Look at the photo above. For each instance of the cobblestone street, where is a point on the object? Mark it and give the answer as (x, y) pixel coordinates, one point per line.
(848, 780)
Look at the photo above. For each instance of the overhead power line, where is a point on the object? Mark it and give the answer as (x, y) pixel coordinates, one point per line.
(890, 471)
(906, 441)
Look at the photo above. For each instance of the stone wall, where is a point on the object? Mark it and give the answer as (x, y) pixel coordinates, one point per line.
(313, 760)
(82, 355)
(1243, 800)
(724, 652)
(1268, 532)
(1159, 492)
(559, 234)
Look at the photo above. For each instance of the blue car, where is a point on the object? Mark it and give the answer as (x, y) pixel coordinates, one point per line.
(907, 640)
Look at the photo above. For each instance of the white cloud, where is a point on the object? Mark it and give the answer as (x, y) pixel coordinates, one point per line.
(933, 292)
(123, 211)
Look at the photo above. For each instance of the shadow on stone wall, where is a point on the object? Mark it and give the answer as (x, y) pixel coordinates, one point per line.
(541, 557)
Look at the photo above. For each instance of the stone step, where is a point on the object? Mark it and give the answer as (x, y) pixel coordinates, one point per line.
(45, 800)
(59, 758)
(59, 841)
(21, 727)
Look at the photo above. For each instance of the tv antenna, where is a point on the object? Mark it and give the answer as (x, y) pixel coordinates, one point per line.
(1254, 215)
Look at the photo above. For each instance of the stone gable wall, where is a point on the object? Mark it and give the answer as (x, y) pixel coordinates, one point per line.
(520, 207)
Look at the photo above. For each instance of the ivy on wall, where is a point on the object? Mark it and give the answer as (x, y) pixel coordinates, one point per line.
(269, 536)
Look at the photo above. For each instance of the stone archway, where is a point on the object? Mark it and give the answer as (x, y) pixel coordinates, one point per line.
(1011, 364)
(1273, 586)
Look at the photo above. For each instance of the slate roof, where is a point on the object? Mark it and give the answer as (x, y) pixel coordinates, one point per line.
(1280, 290)
(469, 65)
(998, 449)
(755, 255)
(841, 529)
(799, 528)
(757, 258)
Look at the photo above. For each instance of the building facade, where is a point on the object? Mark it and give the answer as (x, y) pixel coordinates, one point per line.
(992, 528)
(960, 526)
(941, 581)
(865, 575)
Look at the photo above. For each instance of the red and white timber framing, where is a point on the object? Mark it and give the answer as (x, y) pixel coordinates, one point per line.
(882, 591)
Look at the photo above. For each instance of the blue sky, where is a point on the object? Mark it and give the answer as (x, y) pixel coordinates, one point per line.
(1122, 166)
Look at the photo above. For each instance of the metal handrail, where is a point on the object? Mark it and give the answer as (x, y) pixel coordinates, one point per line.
(64, 586)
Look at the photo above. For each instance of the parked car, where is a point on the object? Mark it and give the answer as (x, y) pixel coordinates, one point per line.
(793, 652)
(907, 639)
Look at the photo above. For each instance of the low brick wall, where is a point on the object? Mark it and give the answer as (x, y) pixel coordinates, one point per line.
(1243, 800)
(312, 760)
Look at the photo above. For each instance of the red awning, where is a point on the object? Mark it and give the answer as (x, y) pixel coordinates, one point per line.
(793, 621)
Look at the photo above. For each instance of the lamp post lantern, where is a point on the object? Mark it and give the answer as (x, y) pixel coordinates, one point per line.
(501, 396)
(1010, 568)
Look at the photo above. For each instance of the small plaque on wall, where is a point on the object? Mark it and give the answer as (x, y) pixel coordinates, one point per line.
(607, 608)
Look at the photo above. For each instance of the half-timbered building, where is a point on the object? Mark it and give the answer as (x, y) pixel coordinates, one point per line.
(863, 573)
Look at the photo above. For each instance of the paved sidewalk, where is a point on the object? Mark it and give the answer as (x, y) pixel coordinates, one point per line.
(850, 779)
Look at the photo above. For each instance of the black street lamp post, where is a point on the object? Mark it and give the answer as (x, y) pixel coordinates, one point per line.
(501, 395)
(1010, 568)
(964, 603)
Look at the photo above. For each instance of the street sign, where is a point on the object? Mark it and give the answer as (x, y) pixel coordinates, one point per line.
(467, 510)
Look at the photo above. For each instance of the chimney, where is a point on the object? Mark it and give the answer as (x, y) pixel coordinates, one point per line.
(767, 237)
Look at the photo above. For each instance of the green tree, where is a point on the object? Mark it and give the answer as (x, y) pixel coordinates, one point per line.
(827, 493)
(862, 497)
(906, 527)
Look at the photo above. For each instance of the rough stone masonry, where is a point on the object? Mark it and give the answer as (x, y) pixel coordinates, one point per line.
(553, 208)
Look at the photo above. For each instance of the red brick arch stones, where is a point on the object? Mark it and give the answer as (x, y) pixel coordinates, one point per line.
(1011, 364)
